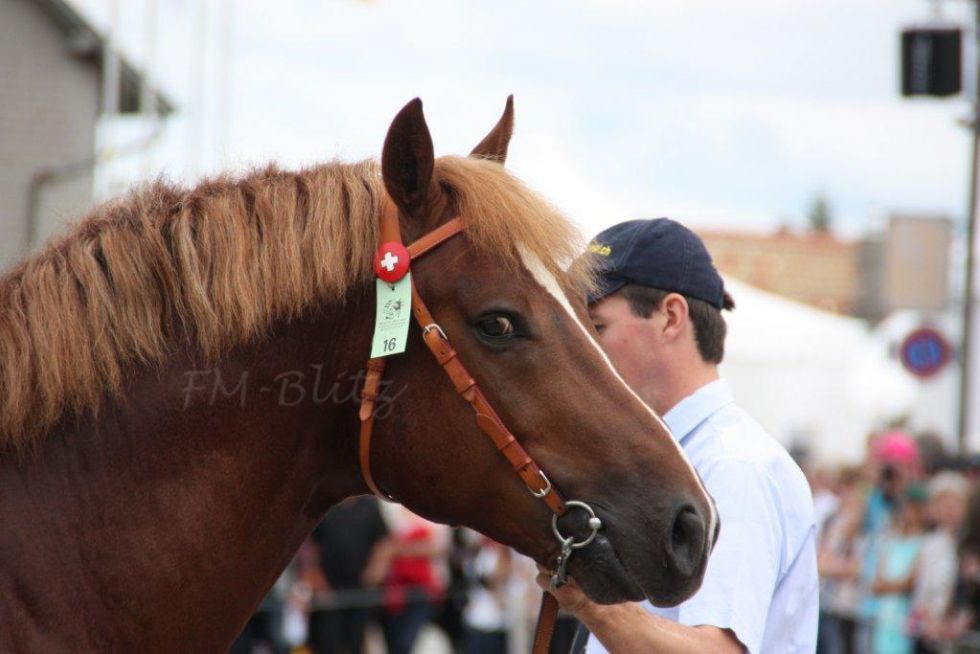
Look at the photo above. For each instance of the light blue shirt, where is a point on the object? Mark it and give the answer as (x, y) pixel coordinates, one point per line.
(761, 581)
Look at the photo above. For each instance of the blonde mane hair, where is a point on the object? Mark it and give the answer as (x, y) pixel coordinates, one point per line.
(217, 266)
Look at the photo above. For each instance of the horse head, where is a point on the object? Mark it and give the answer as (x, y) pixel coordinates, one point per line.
(504, 294)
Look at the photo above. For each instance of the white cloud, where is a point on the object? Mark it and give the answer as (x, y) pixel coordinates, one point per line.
(717, 112)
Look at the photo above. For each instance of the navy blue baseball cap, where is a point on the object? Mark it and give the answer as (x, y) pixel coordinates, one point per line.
(659, 253)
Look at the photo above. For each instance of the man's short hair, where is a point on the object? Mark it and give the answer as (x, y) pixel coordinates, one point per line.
(709, 325)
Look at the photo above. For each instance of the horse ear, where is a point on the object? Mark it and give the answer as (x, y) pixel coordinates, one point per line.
(407, 159)
(494, 145)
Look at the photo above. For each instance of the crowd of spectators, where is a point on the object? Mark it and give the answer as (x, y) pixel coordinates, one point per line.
(375, 568)
(899, 550)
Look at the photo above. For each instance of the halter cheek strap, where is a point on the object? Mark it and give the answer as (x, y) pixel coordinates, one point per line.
(435, 338)
(487, 419)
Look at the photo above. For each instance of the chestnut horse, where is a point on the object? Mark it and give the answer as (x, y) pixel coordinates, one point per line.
(176, 398)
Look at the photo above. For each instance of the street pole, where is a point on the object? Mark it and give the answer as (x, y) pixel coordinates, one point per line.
(963, 425)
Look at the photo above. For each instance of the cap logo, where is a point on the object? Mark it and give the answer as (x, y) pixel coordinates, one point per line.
(600, 249)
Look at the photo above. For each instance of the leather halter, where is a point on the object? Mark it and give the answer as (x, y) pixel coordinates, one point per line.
(487, 419)
(435, 338)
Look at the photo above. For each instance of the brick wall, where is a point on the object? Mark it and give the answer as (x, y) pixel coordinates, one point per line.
(819, 270)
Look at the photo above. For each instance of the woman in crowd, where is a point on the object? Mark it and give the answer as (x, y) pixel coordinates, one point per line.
(892, 587)
(408, 564)
(485, 615)
(839, 563)
(961, 616)
(938, 567)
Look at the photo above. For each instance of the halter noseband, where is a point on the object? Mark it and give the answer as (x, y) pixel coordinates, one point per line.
(435, 338)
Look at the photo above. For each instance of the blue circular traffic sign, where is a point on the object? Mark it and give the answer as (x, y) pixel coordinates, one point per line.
(925, 352)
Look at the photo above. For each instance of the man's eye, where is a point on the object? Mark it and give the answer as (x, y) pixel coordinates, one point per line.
(599, 327)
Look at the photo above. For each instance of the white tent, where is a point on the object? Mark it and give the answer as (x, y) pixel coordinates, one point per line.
(808, 376)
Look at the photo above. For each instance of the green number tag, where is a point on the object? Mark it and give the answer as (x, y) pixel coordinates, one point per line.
(392, 316)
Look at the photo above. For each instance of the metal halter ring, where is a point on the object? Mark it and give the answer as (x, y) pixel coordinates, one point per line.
(434, 327)
(595, 524)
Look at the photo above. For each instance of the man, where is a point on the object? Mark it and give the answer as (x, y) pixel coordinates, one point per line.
(657, 309)
(348, 540)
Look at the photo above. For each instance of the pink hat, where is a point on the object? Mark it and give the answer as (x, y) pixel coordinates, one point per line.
(896, 447)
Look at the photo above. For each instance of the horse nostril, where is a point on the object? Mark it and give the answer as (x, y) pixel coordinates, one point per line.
(714, 537)
(687, 541)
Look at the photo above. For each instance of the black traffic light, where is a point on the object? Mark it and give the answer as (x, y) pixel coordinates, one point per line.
(931, 61)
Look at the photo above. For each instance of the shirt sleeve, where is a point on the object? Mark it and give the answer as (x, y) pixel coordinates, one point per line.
(743, 568)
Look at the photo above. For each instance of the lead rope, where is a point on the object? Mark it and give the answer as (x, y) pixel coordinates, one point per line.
(487, 419)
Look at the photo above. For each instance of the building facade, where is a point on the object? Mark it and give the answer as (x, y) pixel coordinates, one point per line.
(905, 266)
(51, 75)
(816, 269)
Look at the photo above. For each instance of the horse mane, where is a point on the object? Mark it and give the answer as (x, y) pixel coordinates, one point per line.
(217, 266)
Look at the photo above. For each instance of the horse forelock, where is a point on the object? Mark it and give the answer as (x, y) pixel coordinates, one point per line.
(216, 266)
(507, 220)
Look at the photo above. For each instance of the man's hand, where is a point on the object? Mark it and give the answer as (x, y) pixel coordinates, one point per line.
(630, 628)
(570, 597)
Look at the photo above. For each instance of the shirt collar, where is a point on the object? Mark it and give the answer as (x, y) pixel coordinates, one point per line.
(698, 407)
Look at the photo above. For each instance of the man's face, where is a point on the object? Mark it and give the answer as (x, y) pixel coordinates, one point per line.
(630, 340)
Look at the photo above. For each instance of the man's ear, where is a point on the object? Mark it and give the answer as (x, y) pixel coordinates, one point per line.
(494, 145)
(407, 160)
(675, 310)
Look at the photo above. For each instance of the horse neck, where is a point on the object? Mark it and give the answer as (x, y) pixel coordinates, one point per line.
(165, 520)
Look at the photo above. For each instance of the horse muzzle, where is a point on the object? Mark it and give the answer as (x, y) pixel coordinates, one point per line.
(621, 563)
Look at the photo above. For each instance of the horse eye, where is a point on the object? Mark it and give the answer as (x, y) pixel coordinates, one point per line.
(496, 327)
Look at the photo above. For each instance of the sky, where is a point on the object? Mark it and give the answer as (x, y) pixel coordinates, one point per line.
(721, 114)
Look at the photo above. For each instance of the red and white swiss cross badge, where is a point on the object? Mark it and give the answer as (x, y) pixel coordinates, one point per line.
(391, 262)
